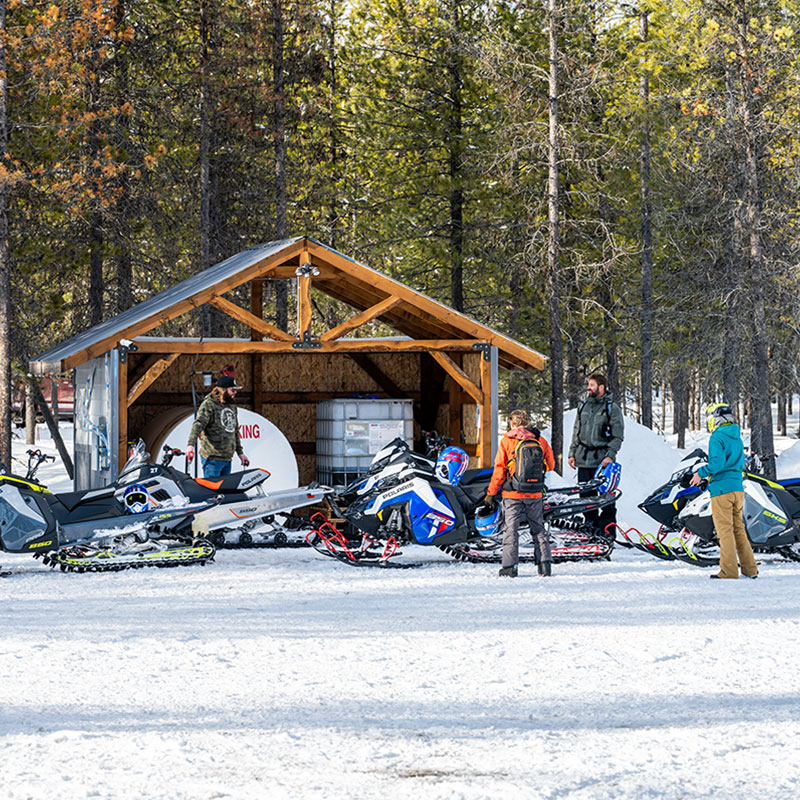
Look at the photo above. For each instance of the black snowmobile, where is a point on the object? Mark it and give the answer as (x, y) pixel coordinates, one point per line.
(94, 531)
(686, 532)
(153, 515)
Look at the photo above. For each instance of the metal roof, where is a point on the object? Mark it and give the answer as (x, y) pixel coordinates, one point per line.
(51, 360)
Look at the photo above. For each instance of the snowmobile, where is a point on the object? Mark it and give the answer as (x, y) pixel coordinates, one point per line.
(686, 528)
(99, 529)
(153, 515)
(403, 502)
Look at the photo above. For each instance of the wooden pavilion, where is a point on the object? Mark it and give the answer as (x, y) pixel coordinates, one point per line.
(446, 362)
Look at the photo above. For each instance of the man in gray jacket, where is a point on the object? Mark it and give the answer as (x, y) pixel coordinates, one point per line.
(596, 439)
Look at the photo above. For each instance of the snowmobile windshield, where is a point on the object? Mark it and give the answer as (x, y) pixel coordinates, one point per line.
(391, 452)
(690, 464)
(138, 455)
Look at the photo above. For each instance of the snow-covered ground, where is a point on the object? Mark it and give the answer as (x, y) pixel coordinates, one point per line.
(278, 673)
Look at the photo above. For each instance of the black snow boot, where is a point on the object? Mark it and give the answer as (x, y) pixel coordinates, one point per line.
(544, 568)
(508, 572)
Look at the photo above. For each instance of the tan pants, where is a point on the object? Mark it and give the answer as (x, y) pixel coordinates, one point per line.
(734, 546)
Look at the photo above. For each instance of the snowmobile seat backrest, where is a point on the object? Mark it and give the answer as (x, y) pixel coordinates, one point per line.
(235, 482)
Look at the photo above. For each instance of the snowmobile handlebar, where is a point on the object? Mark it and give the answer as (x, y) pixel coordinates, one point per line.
(434, 442)
(169, 453)
(35, 459)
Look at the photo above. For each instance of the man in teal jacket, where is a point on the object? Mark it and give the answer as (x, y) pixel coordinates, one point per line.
(724, 473)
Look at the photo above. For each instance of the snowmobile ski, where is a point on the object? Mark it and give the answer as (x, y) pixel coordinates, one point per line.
(329, 541)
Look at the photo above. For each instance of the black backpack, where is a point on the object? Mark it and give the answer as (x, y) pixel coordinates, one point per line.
(528, 475)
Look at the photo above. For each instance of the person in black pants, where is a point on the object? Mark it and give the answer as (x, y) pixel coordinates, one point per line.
(596, 439)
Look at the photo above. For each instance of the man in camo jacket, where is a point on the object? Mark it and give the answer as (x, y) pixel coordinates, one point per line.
(218, 422)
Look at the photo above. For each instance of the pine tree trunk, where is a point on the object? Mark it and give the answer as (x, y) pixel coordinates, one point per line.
(30, 411)
(455, 158)
(680, 406)
(553, 256)
(5, 260)
(646, 357)
(279, 132)
(54, 409)
(333, 210)
(574, 381)
(207, 44)
(732, 347)
(123, 205)
(762, 410)
(96, 286)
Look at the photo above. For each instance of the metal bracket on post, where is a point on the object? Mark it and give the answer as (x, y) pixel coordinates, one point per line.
(485, 348)
(125, 346)
(307, 342)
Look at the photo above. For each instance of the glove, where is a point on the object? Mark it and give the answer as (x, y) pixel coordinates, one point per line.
(490, 502)
(190, 454)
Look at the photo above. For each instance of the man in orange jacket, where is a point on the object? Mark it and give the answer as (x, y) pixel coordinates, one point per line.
(523, 458)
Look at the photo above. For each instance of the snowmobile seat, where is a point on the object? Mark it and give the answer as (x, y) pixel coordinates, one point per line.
(71, 500)
(235, 482)
(481, 476)
(470, 496)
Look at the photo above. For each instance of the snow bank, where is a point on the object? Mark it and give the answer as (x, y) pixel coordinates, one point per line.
(788, 463)
(647, 462)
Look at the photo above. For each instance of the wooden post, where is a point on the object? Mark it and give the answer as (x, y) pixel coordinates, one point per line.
(485, 454)
(455, 403)
(257, 360)
(122, 414)
(304, 297)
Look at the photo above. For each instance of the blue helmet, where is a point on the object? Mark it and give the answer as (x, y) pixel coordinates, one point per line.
(610, 473)
(451, 465)
(487, 522)
(136, 499)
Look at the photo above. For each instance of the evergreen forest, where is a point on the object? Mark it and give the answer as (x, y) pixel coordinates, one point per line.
(614, 184)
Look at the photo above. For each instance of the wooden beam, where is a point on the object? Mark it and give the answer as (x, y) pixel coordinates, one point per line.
(304, 297)
(402, 319)
(142, 367)
(251, 320)
(195, 301)
(238, 346)
(458, 375)
(277, 398)
(436, 310)
(122, 414)
(147, 380)
(289, 271)
(373, 312)
(303, 306)
(455, 405)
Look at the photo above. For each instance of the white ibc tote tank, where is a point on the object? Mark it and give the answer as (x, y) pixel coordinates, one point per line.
(263, 444)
